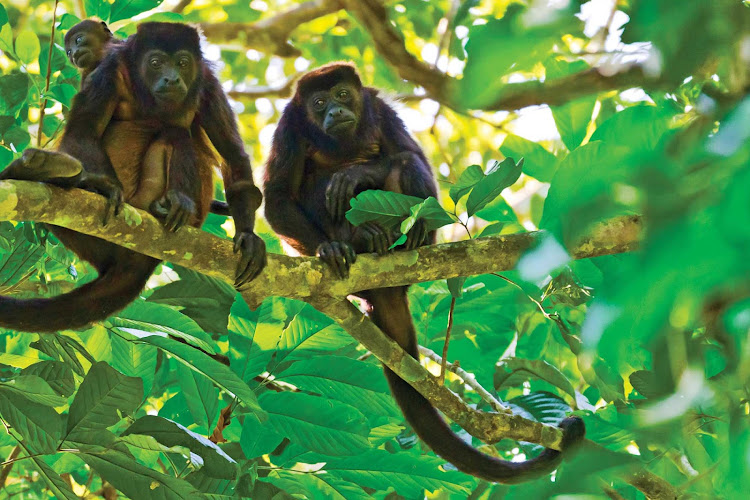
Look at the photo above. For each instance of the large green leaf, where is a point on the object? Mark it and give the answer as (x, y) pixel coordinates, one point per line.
(257, 439)
(34, 389)
(535, 367)
(134, 360)
(27, 46)
(638, 127)
(384, 207)
(216, 463)
(501, 176)
(319, 424)
(541, 406)
(201, 395)
(431, 212)
(57, 374)
(39, 426)
(125, 9)
(103, 397)
(537, 161)
(361, 385)
(138, 481)
(316, 486)
(468, 180)
(56, 484)
(152, 318)
(219, 374)
(408, 474)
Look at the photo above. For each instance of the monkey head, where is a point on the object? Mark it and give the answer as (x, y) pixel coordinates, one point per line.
(332, 99)
(168, 61)
(85, 43)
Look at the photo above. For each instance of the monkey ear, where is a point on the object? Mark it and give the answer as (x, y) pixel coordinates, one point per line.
(106, 28)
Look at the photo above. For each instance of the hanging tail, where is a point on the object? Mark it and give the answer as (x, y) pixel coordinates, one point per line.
(118, 284)
(391, 314)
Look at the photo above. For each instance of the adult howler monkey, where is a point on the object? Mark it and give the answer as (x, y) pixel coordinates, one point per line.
(335, 139)
(171, 92)
(86, 45)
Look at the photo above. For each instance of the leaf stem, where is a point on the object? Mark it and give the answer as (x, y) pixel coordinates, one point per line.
(43, 105)
(441, 379)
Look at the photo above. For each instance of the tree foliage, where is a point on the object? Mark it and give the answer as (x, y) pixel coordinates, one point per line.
(549, 115)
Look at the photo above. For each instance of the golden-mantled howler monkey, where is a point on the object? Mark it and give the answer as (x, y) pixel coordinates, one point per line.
(335, 139)
(86, 45)
(158, 77)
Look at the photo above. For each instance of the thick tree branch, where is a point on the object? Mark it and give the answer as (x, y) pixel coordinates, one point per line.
(443, 88)
(279, 91)
(306, 279)
(271, 35)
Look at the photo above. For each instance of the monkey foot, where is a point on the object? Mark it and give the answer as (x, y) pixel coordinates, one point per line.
(40, 165)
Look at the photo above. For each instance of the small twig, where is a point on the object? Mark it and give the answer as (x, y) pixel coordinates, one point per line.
(469, 379)
(40, 132)
(441, 379)
(180, 7)
(9, 465)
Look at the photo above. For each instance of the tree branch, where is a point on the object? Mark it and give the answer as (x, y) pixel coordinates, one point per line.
(307, 279)
(280, 91)
(271, 35)
(443, 88)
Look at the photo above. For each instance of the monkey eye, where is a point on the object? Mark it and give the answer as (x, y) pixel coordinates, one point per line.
(79, 39)
(154, 62)
(343, 94)
(319, 103)
(183, 62)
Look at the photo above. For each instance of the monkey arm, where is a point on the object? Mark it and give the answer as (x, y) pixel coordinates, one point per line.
(244, 198)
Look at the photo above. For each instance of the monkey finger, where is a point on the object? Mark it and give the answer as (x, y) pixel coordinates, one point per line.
(332, 195)
(339, 261)
(346, 199)
(351, 255)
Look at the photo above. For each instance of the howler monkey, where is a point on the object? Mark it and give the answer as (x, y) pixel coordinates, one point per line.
(172, 92)
(86, 45)
(335, 139)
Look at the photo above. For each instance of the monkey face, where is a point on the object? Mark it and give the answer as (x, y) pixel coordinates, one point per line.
(168, 76)
(336, 111)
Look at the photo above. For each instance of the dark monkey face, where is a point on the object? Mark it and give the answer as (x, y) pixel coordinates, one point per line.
(85, 42)
(336, 110)
(168, 76)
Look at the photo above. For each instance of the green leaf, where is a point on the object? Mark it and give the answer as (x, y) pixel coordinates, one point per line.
(431, 212)
(537, 161)
(68, 20)
(535, 367)
(468, 180)
(13, 91)
(638, 127)
(541, 406)
(34, 389)
(6, 156)
(152, 318)
(97, 8)
(201, 395)
(361, 385)
(56, 484)
(134, 360)
(456, 286)
(125, 9)
(384, 207)
(18, 360)
(27, 47)
(219, 374)
(40, 426)
(56, 373)
(315, 486)
(204, 299)
(257, 439)
(216, 463)
(407, 474)
(104, 395)
(3, 15)
(318, 424)
(501, 176)
(572, 120)
(6, 39)
(59, 59)
(62, 93)
(148, 443)
(138, 481)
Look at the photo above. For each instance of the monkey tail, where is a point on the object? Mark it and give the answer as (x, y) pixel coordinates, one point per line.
(117, 285)
(391, 314)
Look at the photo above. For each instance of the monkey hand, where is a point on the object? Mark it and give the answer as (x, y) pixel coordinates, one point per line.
(106, 186)
(344, 185)
(252, 257)
(176, 208)
(417, 236)
(337, 254)
(46, 166)
(371, 237)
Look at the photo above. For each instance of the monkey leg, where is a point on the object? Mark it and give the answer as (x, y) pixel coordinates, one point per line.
(45, 166)
(153, 176)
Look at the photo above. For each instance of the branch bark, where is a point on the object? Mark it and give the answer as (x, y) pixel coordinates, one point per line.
(271, 35)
